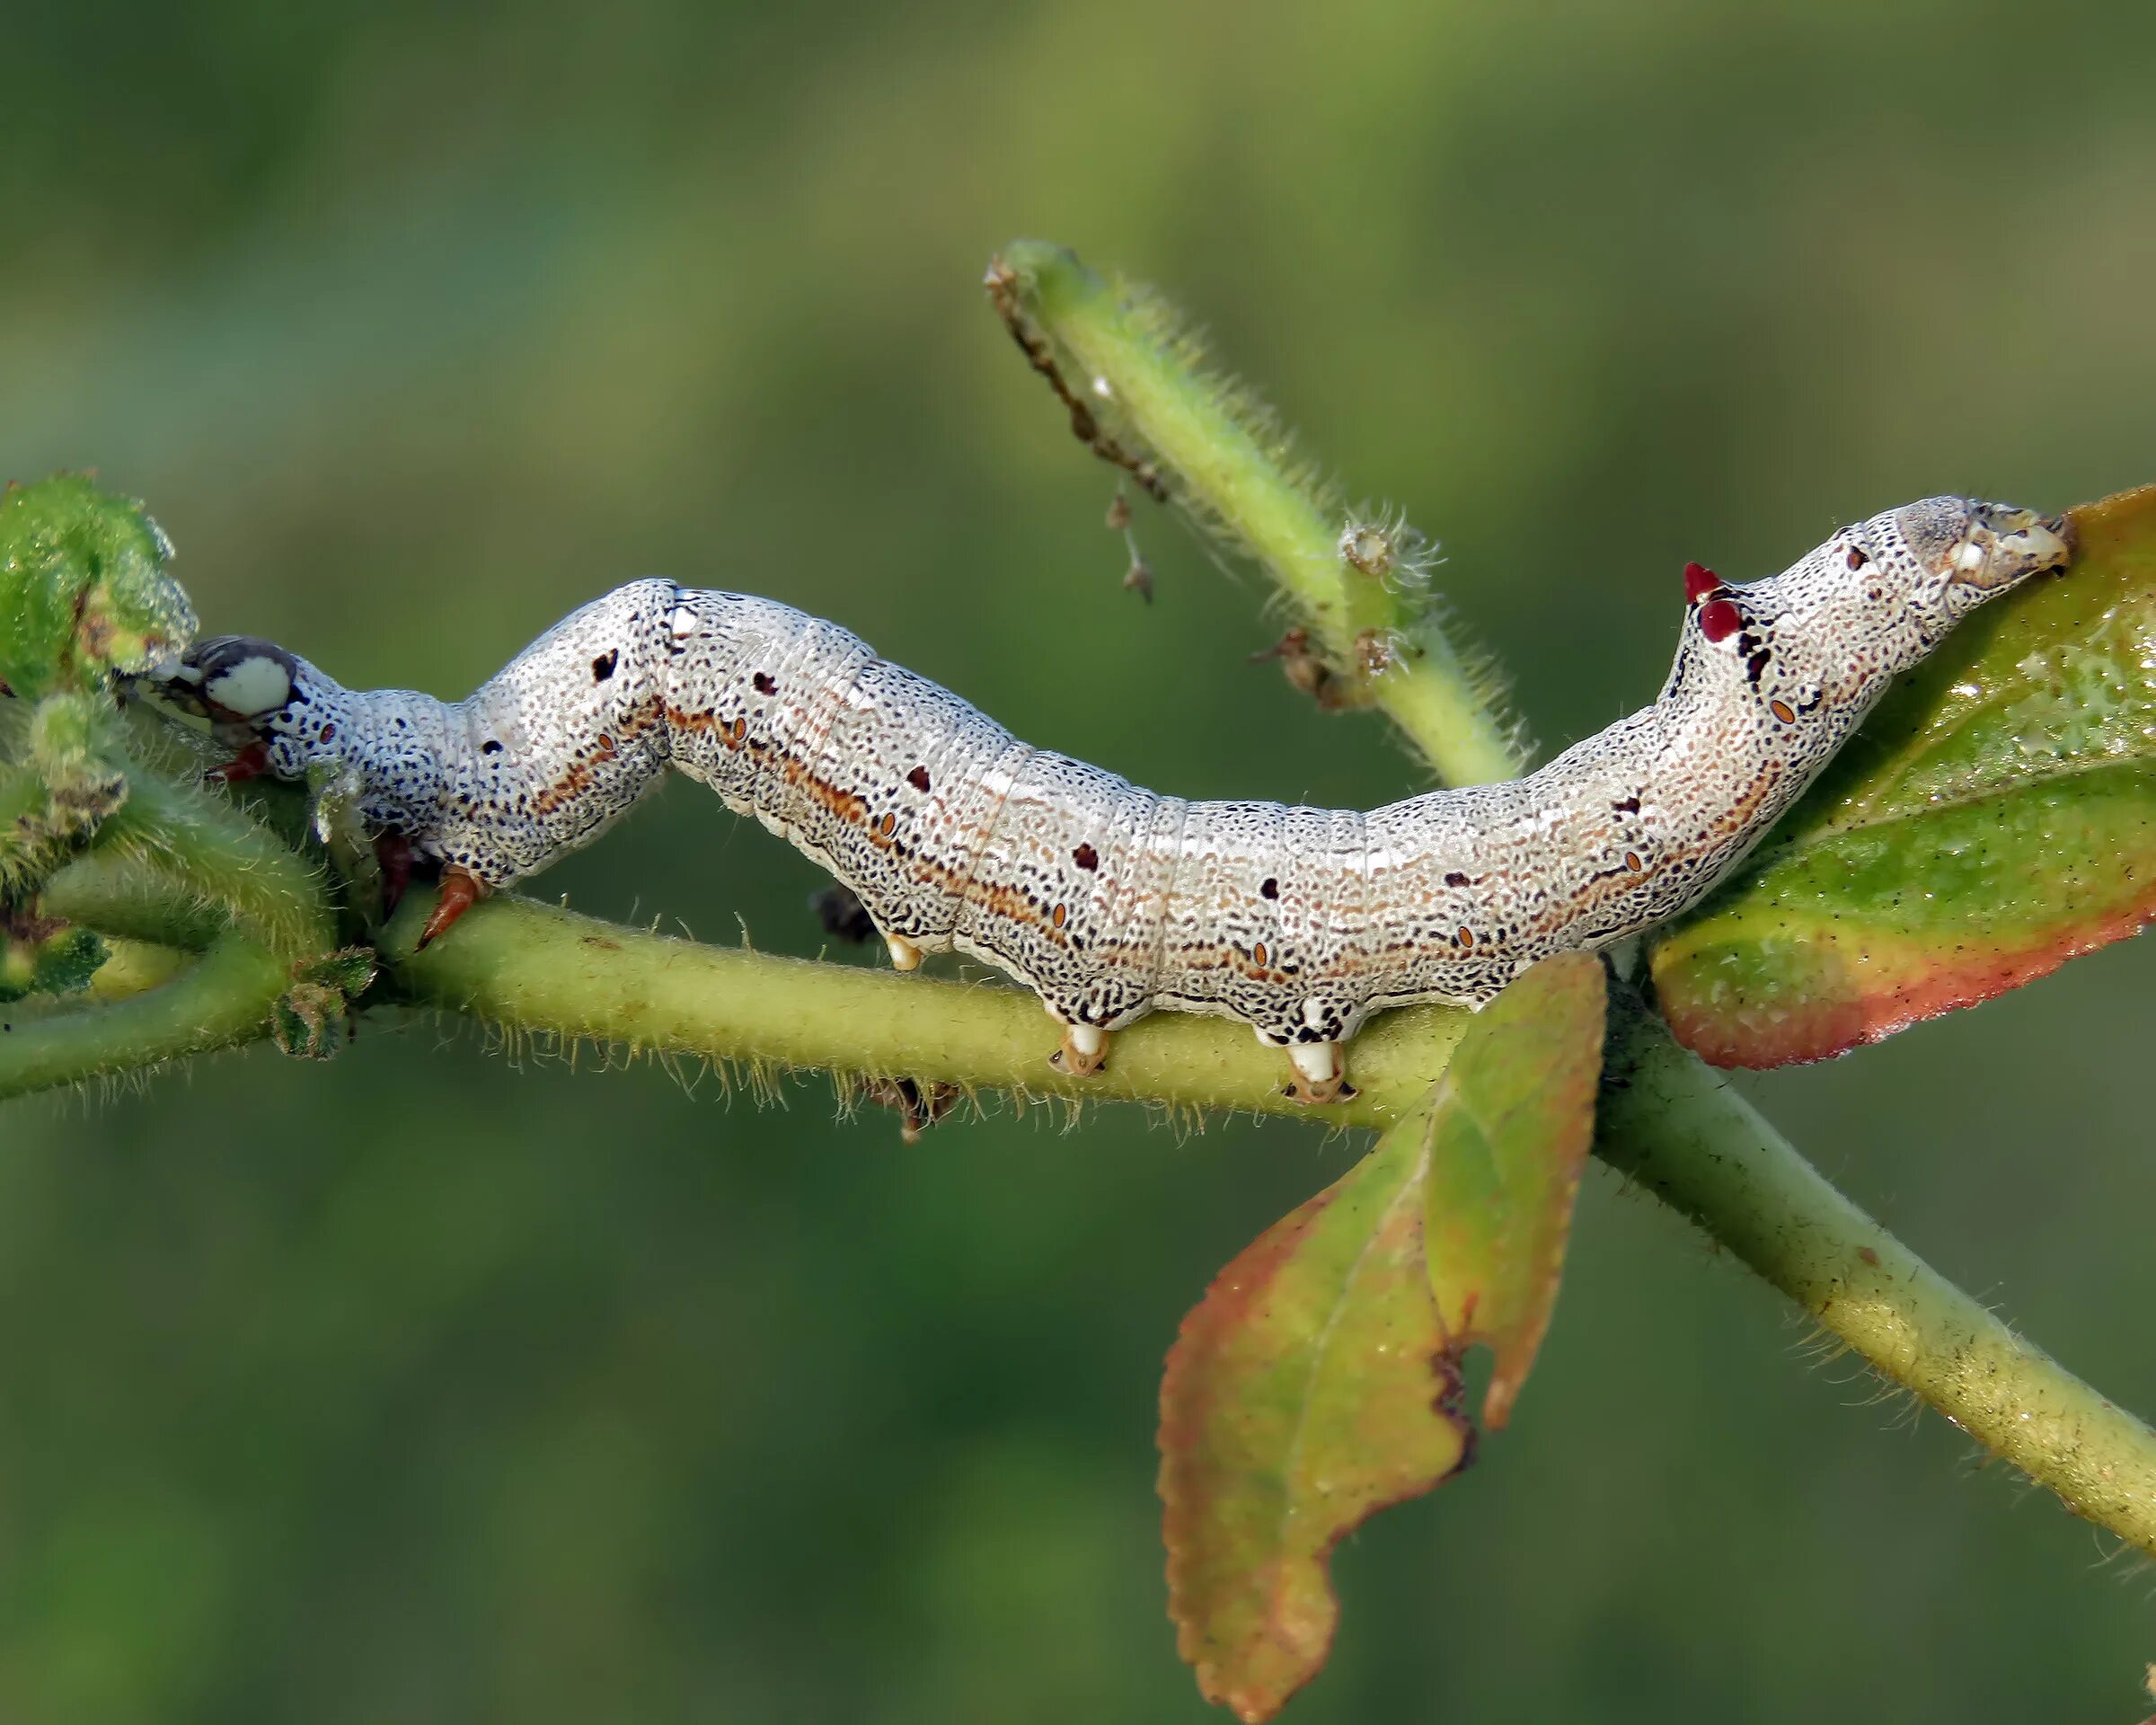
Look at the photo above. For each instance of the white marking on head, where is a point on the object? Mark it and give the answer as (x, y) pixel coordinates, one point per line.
(681, 621)
(250, 686)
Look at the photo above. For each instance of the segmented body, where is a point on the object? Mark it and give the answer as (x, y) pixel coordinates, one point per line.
(1108, 899)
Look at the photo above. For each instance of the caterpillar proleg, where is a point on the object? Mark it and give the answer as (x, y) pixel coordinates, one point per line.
(1108, 900)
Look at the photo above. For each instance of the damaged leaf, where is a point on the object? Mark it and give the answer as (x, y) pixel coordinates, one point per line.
(1319, 1379)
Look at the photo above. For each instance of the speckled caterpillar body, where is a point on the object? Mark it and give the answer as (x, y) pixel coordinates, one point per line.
(1107, 900)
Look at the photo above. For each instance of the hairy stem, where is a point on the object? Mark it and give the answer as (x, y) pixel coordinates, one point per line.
(200, 846)
(222, 999)
(1666, 1120)
(535, 967)
(1675, 1126)
(1123, 367)
(117, 897)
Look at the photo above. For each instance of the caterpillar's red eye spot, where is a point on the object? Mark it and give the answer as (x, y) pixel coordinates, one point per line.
(1720, 619)
(1699, 582)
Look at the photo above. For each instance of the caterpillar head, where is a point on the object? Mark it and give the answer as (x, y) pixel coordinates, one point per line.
(1827, 637)
(234, 680)
(252, 691)
(1942, 558)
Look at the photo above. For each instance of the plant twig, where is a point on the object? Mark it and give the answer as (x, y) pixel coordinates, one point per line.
(1676, 1128)
(1228, 464)
(223, 1000)
(537, 968)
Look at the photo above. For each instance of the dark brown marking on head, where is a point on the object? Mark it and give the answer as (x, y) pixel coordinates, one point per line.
(1857, 559)
(1626, 805)
(1456, 879)
(1268, 887)
(1086, 857)
(918, 779)
(602, 668)
(764, 685)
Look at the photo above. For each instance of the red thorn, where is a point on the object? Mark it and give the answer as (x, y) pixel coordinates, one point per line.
(460, 891)
(1699, 582)
(1720, 619)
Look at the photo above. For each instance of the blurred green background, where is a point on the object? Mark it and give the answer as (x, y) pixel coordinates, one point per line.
(428, 1386)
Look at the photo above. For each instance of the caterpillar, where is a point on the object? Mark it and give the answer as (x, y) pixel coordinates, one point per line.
(1108, 900)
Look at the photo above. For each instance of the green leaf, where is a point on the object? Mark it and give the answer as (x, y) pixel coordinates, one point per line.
(1319, 1379)
(1994, 819)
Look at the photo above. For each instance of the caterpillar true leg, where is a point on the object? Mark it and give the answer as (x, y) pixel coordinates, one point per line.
(392, 853)
(250, 763)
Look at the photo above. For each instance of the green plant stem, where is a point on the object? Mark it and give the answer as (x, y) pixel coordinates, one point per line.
(117, 897)
(1675, 1126)
(537, 968)
(1665, 1121)
(1230, 471)
(222, 999)
(198, 845)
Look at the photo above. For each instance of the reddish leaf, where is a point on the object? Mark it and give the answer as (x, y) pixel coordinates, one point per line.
(1318, 1380)
(1995, 818)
